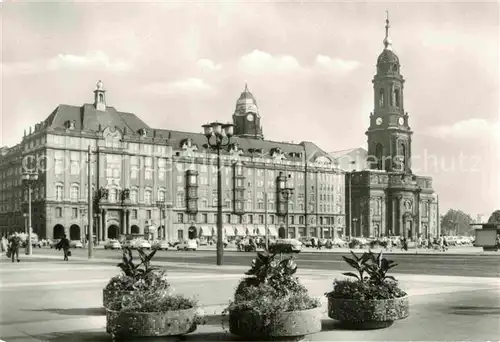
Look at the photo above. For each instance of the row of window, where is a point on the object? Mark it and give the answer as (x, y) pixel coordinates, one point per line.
(252, 219)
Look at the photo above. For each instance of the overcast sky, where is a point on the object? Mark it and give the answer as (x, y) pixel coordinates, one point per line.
(310, 66)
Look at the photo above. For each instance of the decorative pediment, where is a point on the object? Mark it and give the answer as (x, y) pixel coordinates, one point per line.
(322, 160)
(143, 132)
(234, 149)
(188, 145)
(112, 133)
(277, 154)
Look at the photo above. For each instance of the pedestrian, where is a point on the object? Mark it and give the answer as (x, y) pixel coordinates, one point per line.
(64, 245)
(4, 244)
(14, 244)
(404, 244)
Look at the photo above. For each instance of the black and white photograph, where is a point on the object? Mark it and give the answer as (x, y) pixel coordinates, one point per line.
(233, 170)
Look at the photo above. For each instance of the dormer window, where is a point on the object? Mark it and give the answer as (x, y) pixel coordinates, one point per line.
(143, 132)
(70, 124)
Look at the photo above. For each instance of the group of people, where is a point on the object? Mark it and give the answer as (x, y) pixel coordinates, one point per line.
(12, 244)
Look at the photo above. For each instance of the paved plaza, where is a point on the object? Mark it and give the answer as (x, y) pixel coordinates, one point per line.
(46, 299)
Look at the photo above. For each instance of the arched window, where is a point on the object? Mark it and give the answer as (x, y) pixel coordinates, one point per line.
(379, 155)
(101, 98)
(396, 97)
(381, 98)
(161, 195)
(403, 156)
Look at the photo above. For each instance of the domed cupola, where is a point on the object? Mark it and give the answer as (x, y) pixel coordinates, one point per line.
(246, 116)
(246, 102)
(387, 61)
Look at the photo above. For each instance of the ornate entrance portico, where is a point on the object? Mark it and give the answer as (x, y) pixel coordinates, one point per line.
(408, 225)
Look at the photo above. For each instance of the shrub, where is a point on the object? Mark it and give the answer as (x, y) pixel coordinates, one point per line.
(146, 287)
(371, 280)
(354, 243)
(270, 289)
(140, 276)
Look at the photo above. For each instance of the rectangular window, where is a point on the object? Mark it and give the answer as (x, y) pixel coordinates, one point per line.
(134, 213)
(228, 218)
(250, 219)
(58, 212)
(74, 212)
(148, 214)
(180, 218)
(261, 219)
(204, 218)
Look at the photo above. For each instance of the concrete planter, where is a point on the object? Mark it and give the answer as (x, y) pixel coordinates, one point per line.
(108, 296)
(292, 325)
(368, 314)
(149, 324)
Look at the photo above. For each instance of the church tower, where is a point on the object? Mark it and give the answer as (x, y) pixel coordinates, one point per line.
(246, 118)
(100, 97)
(389, 134)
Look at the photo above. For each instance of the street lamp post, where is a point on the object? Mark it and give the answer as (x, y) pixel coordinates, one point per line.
(161, 206)
(222, 134)
(29, 179)
(287, 193)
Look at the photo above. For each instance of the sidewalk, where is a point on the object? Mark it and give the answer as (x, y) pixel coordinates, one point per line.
(434, 301)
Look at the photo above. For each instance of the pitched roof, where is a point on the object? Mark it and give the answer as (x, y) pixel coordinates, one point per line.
(340, 153)
(86, 117)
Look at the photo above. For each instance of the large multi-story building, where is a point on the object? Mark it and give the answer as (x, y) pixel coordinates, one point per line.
(164, 182)
(387, 198)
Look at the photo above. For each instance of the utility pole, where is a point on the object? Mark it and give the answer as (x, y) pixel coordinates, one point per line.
(89, 209)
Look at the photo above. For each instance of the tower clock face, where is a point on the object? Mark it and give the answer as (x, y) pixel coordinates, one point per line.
(250, 117)
(401, 121)
(378, 121)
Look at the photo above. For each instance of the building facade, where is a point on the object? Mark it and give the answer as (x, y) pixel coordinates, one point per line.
(164, 182)
(387, 198)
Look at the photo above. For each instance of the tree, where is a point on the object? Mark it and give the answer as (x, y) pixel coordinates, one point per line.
(456, 222)
(495, 217)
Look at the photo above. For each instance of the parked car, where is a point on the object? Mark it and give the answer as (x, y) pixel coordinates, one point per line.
(141, 244)
(287, 245)
(75, 244)
(338, 242)
(188, 245)
(112, 244)
(160, 244)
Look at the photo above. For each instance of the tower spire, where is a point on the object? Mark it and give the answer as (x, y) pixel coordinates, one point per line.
(387, 40)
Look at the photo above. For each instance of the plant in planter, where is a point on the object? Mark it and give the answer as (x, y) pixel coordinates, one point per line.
(373, 300)
(270, 303)
(134, 276)
(143, 303)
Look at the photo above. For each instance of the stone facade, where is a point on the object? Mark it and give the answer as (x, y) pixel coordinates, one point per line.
(387, 198)
(163, 182)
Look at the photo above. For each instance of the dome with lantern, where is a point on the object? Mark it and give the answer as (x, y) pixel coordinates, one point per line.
(246, 102)
(387, 60)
